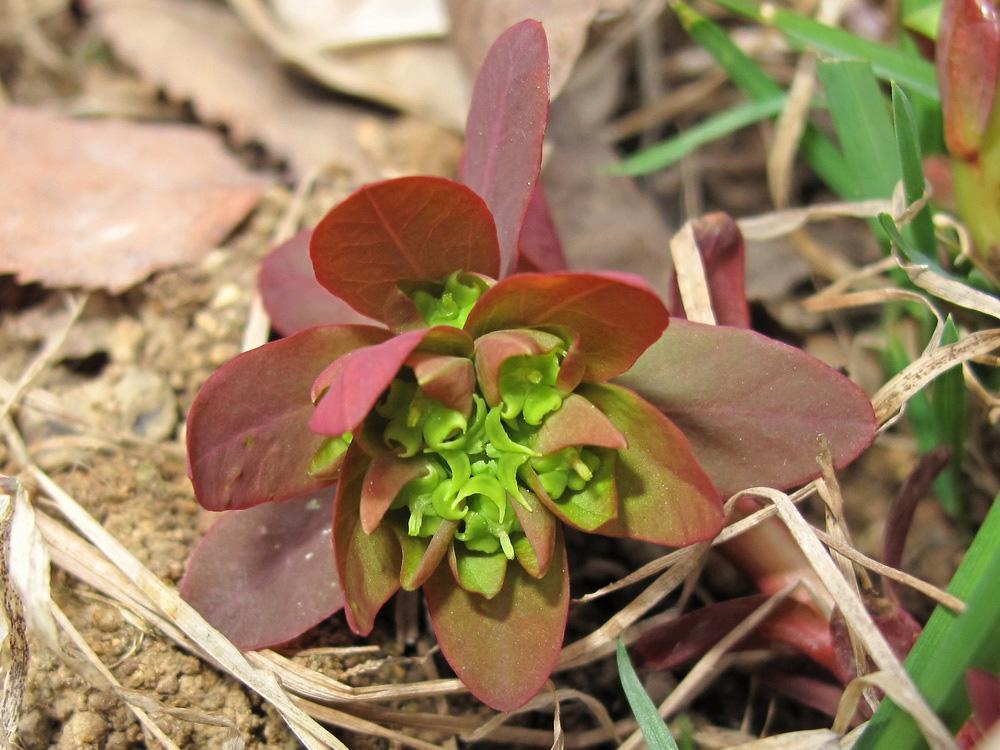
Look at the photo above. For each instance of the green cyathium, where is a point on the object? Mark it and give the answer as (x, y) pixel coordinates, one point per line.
(478, 465)
(451, 304)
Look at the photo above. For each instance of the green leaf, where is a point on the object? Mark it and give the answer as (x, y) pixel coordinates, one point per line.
(921, 228)
(817, 149)
(668, 152)
(922, 16)
(949, 645)
(949, 401)
(863, 126)
(888, 64)
(654, 729)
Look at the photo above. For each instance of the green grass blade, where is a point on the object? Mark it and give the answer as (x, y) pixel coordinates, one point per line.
(950, 402)
(861, 117)
(673, 149)
(921, 228)
(654, 729)
(818, 150)
(922, 16)
(889, 64)
(949, 645)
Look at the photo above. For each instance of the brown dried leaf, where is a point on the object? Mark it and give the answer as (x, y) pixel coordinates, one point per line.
(200, 51)
(102, 203)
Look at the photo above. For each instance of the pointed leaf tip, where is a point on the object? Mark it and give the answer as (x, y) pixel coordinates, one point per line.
(505, 129)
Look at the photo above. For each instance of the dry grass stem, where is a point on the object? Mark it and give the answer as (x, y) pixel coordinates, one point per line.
(891, 397)
(899, 686)
(708, 666)
(690, 273)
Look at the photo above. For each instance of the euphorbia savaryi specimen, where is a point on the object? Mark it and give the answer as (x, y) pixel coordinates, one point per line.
(474, 418)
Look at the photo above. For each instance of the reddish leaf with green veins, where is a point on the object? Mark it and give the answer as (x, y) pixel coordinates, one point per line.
(504, 131)
(664, 496)
(503, 648)
(276, 564)
(616, 316)
(407, 229)
(752, 408)
(248, 431)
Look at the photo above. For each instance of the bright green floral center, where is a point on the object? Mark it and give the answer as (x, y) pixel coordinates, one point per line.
(452, 303)
(478, 465)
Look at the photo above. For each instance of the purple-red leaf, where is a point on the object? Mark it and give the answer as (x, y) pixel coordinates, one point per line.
(266, 574)
(539, 248)
(248, 436)
(753, 408)
(407, 229)
(449, 380)
(354, 383)
(577, 422)
(687, 638)
(386, 476)
(368, 565)
(723, 254)
(617, 317)
(292, 296)
(504, 648)
(664, 496)
(539, 529)
(504, 132)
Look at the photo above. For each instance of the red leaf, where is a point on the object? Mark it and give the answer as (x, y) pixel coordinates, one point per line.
(539, 248)
(504, 132)
(407, 229)
(687, 638)
(616, 317)
(984, 692)
(266, 574)
(248, 432)
(968, 60)
(664, 496)
(292, 296)
(386, 476)
(539, 527)
(504, 648)
(720, 244)
(354, 383)
(448, 380)
(577, 422)
(752, 407)
(368, 565)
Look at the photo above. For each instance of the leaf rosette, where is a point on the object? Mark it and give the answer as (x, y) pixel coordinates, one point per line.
(460, 419)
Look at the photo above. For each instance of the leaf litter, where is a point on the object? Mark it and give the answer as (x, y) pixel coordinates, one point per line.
(135, 583)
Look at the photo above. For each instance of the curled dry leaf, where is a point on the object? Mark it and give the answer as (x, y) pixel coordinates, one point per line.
(101, 204)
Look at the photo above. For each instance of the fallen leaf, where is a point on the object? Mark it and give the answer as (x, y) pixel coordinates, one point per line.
(101, 204)
(477, 23)
(232, 78)
(333, 23)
